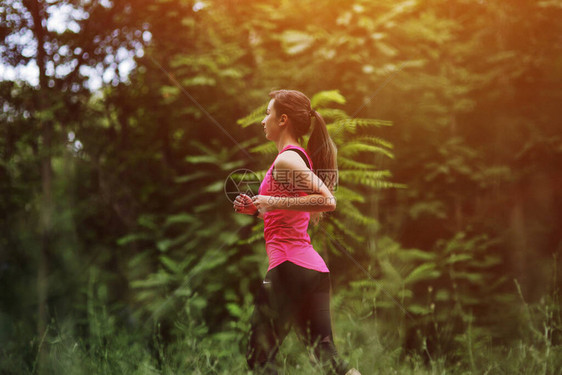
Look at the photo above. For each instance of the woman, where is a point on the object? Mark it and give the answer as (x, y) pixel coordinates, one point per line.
(296, 287)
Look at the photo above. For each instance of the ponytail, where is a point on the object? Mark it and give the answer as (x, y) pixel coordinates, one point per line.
(323, 152)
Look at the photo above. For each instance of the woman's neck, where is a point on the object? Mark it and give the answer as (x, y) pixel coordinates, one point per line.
(286, 141)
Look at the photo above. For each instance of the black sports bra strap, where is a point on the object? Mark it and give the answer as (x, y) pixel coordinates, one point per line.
(301, 154)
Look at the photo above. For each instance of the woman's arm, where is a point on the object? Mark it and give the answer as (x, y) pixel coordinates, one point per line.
(291, 170)
(243, 205)
(309, 203)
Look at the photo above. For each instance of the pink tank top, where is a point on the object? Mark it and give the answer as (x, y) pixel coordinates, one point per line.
(285, 231)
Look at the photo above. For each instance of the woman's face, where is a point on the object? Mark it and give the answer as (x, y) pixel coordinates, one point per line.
(271, 122)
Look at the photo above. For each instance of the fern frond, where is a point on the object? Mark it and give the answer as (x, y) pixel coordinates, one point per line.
(346, 163)
(192, 176)
(229, 166)
(337, 132)
(379, 185)
(265, 149)
(374, 141)
(354, 147)
(253, 118)
(345, 194)
(198, 159)
(351, 124)
(350, 211)
(346, 230)
(361, 176)
(365, 122)
(345, 125)
(247, 177)
(202, 147)
(324, 98)
(332, 114)
(365, 178)
(255, 237)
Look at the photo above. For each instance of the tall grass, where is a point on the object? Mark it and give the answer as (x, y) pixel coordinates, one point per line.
(102, 345)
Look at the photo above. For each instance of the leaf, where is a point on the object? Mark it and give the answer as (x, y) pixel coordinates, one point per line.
(454, 258)
(153, 280)
(442, 295)
(266, 148)
(373, 179)
(294, 42)
(418, 309)
(198, 159)
(374, 140)
(132, 238)
(253, 118)
(387, 50)
(472, 277)
(347, 163)
(199, 80)
(234, 310)
(346, 229)
(353, 148)
(345, 194)
(231, 73)
(164, 245)
(147, 221)
(191, 177)
(214, 187)
(182, 218)
(324, 98)
(328, 113)
(409, 255)
(429, 208)
(170, 263)
(169, 91)
(391, 273)
(426, 271)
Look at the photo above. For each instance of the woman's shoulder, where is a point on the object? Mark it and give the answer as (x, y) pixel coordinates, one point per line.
(290, 160)
(297, 152)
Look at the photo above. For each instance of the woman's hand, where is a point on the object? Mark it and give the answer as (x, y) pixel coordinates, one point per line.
(264, 203)
(243, 205)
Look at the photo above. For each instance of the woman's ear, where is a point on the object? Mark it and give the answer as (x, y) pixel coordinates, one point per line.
(283, 119)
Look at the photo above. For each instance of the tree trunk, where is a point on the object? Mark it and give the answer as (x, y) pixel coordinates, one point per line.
(38, 13)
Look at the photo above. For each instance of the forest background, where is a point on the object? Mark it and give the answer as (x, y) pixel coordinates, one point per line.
(119, 248)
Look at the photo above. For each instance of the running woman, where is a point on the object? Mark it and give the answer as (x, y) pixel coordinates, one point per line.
(296, 287)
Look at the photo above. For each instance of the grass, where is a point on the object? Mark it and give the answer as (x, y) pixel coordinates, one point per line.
(101, 345)
(118, 351)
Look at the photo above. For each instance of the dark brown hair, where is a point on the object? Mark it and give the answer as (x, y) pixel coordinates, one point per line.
(320, 147)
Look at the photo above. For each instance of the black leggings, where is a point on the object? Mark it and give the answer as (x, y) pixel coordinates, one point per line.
(289, 295)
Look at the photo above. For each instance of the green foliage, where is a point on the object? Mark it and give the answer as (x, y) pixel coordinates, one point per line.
(149, 271)
(322, 99)
(191, 247)
(443, 294)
